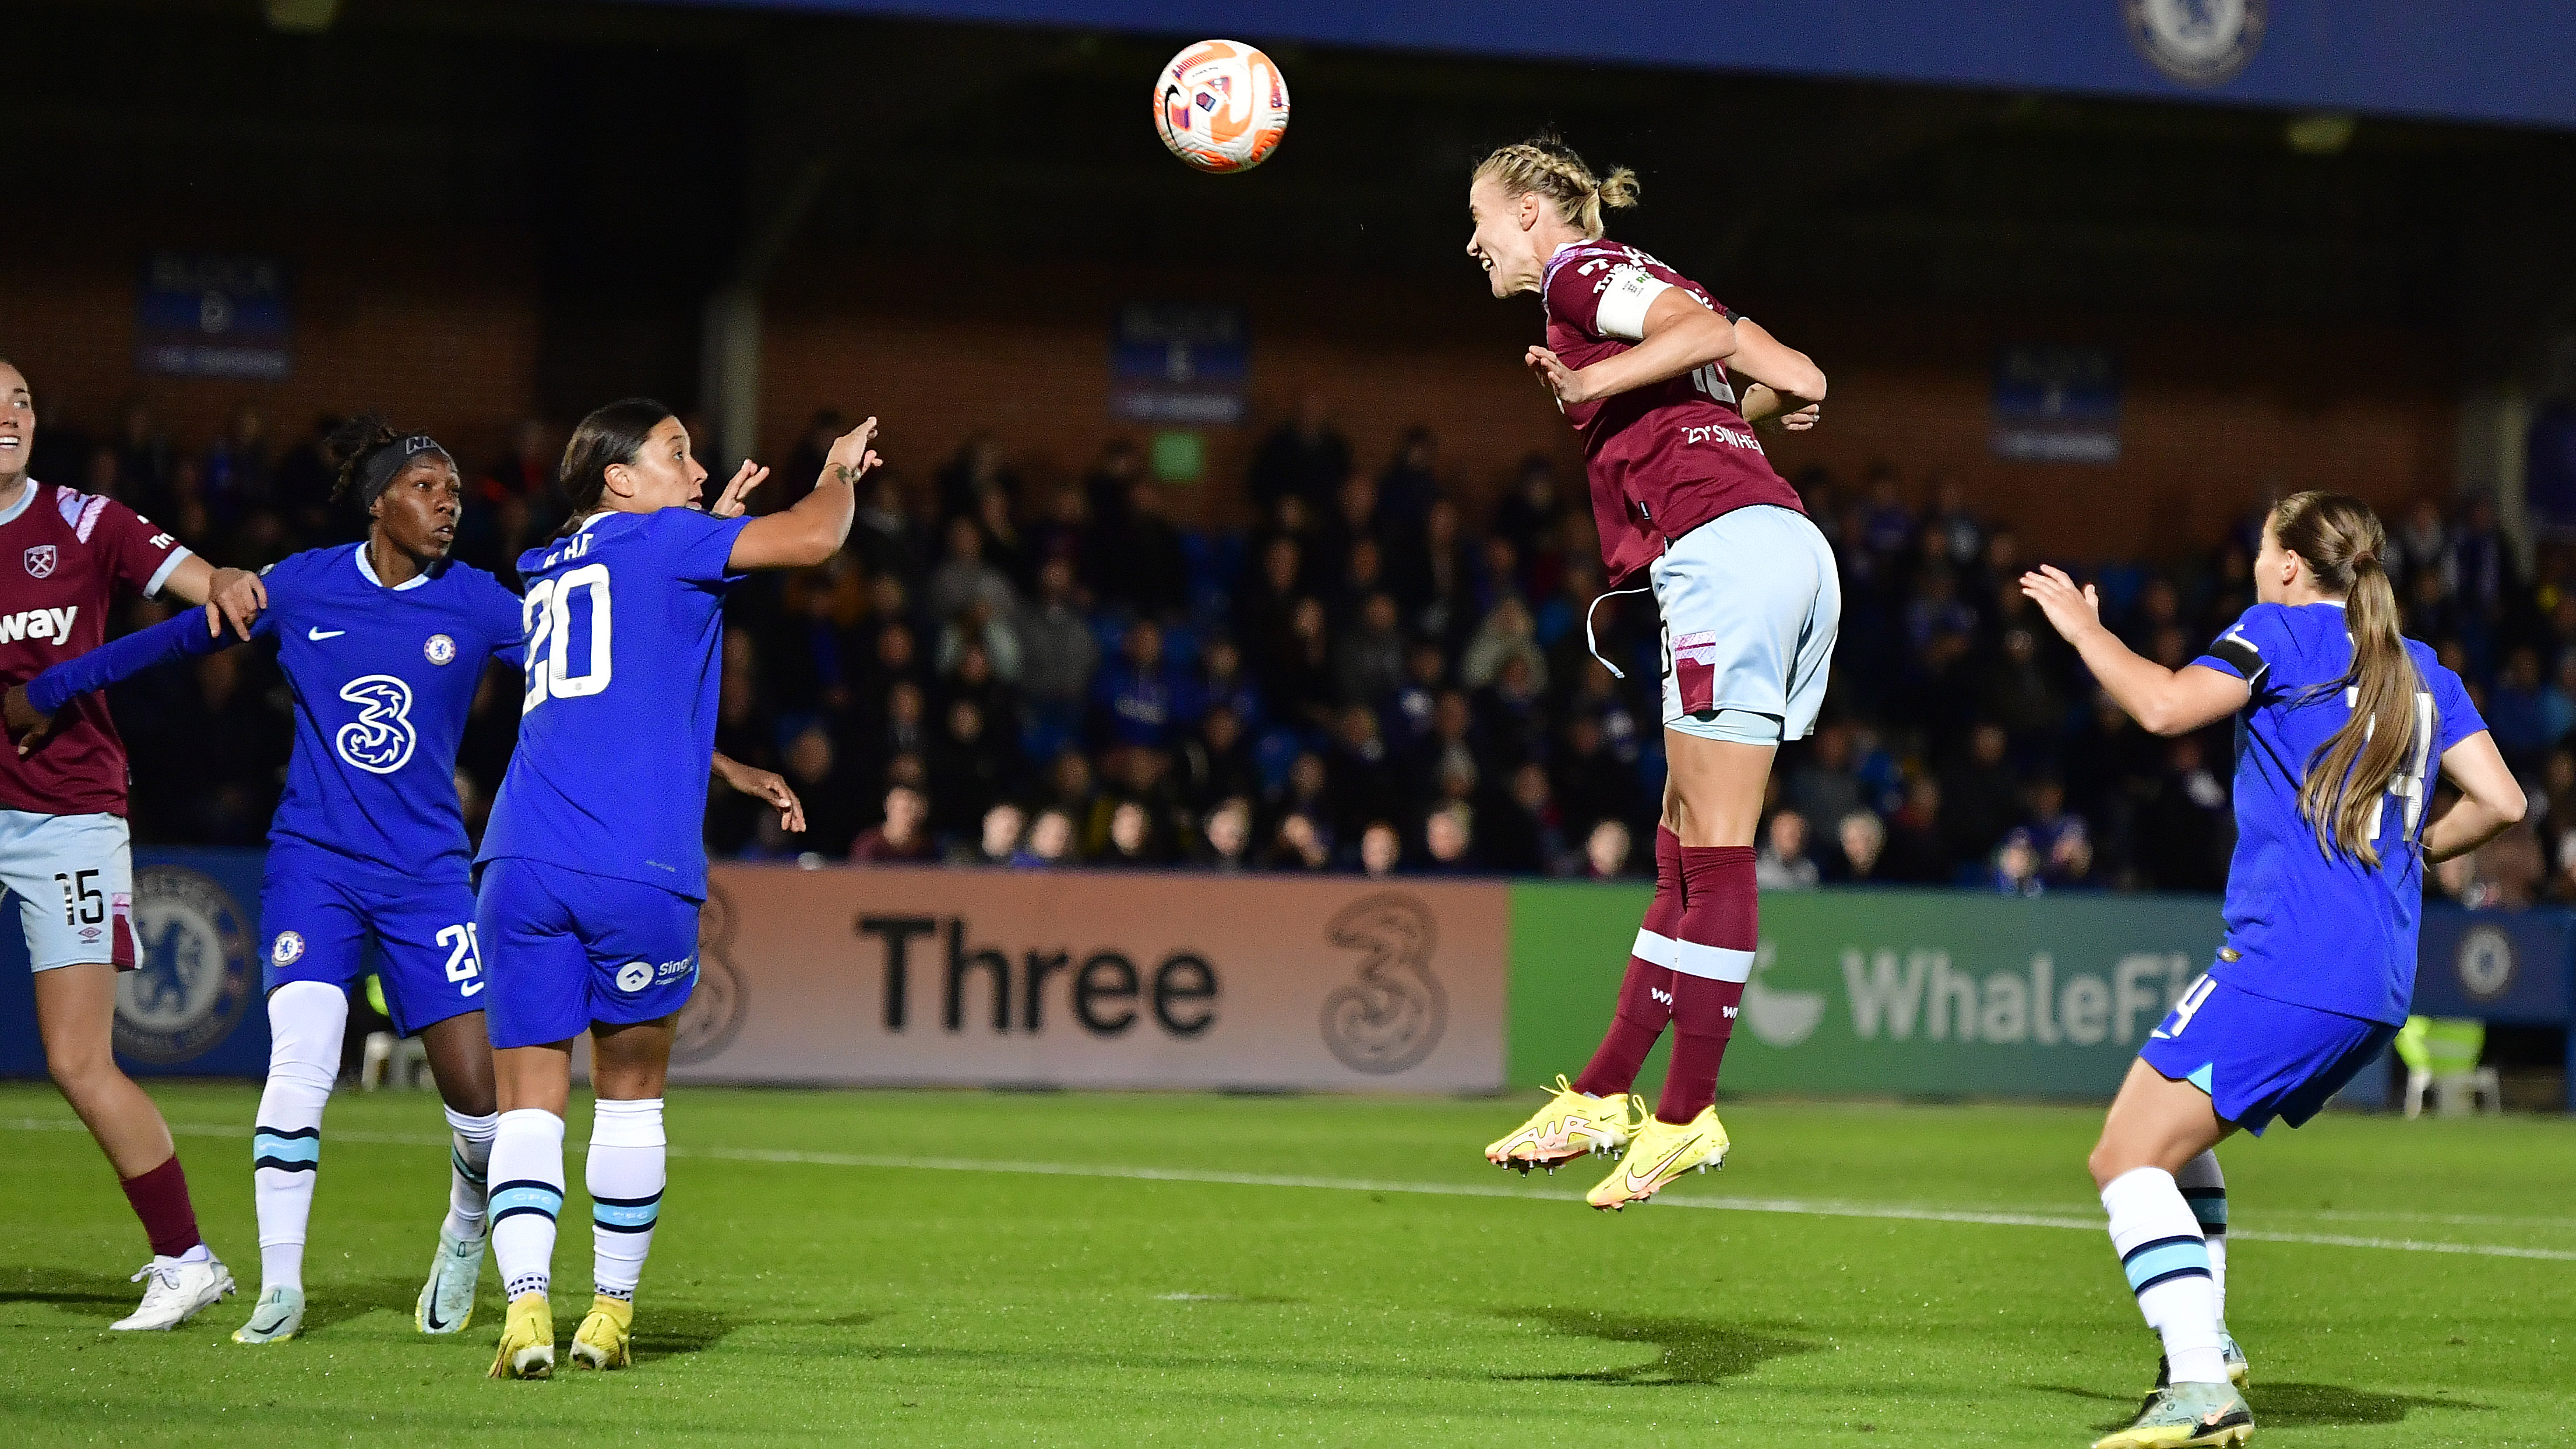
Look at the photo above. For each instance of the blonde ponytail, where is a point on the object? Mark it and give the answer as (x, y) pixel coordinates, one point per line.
(1544, 164)
(2346, 785)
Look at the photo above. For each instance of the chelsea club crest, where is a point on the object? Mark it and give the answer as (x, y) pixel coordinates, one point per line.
(198, 971)
(440, 649)
(2196, 42)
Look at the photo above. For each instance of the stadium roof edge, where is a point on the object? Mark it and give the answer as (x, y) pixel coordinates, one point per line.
(2486, 61)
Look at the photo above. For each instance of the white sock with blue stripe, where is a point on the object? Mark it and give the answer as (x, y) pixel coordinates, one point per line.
(527, 1192)
(305, 1019)
(2205, 1188)
(2167, 1262)
(625, 1175)
(469, 1172)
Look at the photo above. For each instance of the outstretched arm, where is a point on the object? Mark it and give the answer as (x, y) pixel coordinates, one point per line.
(32, 706)
(230, 595)
(765, 785)
(815, 528)
(2165, 701)
(2491, 800)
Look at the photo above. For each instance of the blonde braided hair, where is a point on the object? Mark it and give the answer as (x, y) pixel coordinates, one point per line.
(1544, 164)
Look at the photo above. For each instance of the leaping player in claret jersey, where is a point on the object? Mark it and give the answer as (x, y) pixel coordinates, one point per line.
(64, 848)
(383, 644)
(595, 863)
(1646, 365)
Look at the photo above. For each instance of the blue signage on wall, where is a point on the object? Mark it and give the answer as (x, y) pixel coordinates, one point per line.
(205, 315)
(2056, 405)
(1180, 364)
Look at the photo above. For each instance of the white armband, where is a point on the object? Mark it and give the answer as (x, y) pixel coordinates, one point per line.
(1625, 295)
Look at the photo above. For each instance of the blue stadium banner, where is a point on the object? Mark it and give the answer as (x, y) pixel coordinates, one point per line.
(2471, 60)
(207, 315)
(193, 1007)
(2056, 405)
(1181, 364)
(2514, 967)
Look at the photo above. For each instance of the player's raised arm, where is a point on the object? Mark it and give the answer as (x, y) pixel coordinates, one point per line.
(815, 528)
(2163, 701)
(1785, 385)
(232, 596)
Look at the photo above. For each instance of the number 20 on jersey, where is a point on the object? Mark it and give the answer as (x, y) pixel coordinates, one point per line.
(546, 614)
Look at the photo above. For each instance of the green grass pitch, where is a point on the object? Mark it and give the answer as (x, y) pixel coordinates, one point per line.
(963, 1268)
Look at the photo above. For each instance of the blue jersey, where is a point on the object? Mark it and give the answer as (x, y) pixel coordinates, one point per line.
(2308, 926)
(383, 680)
(625, 631)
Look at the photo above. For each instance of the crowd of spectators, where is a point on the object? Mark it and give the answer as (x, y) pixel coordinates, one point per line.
(1373, 678)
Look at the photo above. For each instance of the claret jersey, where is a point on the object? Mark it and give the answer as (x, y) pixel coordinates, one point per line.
(1662, 459)
(624, 622)
(63, 557)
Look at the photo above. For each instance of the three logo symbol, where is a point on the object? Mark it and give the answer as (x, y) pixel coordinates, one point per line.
(379, 741)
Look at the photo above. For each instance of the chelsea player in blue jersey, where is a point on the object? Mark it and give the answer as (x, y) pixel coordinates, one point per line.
(2341, 722)
(595, 862)
(384, 645)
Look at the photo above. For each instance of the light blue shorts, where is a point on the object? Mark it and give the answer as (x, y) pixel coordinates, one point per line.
(73, 876)
(1750, 603)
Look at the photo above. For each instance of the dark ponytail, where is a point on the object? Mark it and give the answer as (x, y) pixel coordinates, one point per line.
(609, 436)
(351, 445)
(2341, 541)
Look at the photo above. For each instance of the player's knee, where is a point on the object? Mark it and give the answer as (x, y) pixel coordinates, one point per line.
(2108, 1162)
(83, 1073)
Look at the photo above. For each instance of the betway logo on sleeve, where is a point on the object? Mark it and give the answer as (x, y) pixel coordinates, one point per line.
(54, 624)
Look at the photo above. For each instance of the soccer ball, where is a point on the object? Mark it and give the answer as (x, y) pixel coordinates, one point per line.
(1221, 106)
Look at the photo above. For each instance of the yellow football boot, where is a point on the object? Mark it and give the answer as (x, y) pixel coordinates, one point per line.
(527, 1340)
(1659, 1152)
(1570, 1125)
(2187, 1416)
(601, 1341)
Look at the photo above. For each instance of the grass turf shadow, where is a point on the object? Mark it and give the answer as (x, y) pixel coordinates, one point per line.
(2304, 1406)
(71, 1290)
(1695, 1350)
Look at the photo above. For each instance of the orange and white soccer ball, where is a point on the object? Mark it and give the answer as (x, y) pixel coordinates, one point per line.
(1221, 106)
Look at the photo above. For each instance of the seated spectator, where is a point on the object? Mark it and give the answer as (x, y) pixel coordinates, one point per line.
(2517, 710)
(1134, 842)
(977, 629)
(1861, 838)
(1060, 653)
(1592, 785)
(1050, 842)
(1112, 479)
(1362, 776)
(1449, 840)
(1381, 850)
(1918, 848)
(1298, 844)
(1216, 762)
(1224, 684)
(1138, 563)
(2062, 839)
(1304, 457)
(1980, 796)
(977, 470)
(964, 577)
(1411, 481)
(999, 842)
(971, 765)
(1505, 635)
(1226, 836)
(2016, 867)
(1521, 831)
(1369, 663)
(1409, 715)
(1300, 685)
(1782, 864)
(1605, 851)
(903, 836)
(1824, 786)
(1137, 699)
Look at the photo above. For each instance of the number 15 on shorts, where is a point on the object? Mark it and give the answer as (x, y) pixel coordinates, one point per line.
(464, 957)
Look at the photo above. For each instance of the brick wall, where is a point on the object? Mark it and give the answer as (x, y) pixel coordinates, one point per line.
(439, 329)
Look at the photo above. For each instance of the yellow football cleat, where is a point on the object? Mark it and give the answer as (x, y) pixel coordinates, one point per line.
(527, 1340)
(1658, 1153)
(601, 1341)
(2187, 1416)
(1570, 1125)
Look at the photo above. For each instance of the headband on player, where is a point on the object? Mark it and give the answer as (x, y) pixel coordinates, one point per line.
(391, 459)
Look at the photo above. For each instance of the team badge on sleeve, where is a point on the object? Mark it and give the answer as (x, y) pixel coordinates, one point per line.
(40, 561)
(440, 649)
(288, 948)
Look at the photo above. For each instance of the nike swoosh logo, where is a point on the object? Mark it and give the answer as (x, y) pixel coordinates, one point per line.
(470, 990)
(320, 634)
(429, 1316)
(1640, 1184)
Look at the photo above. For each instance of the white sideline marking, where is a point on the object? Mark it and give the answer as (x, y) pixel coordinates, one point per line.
(1797, 1207)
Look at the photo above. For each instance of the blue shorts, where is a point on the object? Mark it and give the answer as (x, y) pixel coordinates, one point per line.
(320, 908)
(2258, 1058)
(570, 949)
